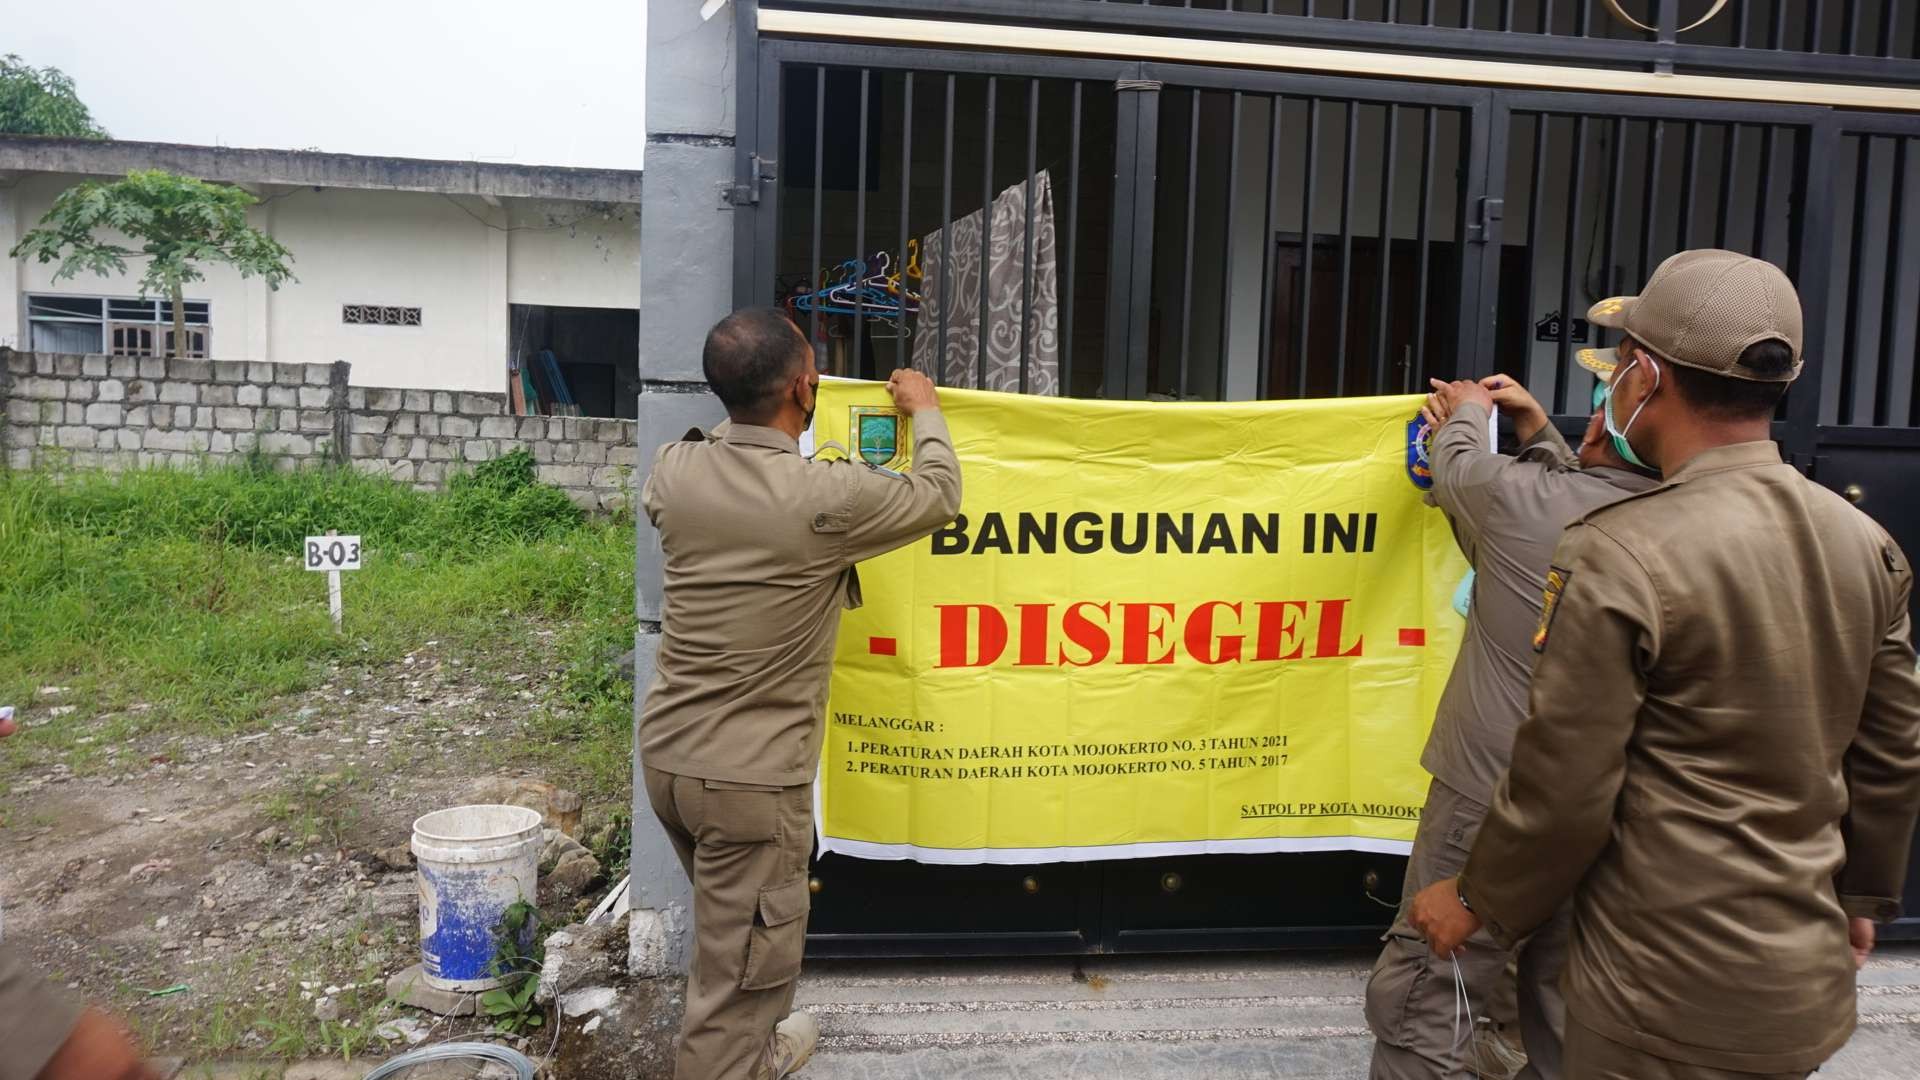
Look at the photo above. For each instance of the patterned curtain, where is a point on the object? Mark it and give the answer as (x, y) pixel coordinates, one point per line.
(1007, 296)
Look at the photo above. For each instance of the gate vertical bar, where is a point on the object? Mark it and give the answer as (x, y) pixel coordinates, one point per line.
(1346, 247)
(1026, 245)
(1542, 131)
(1851, 362)
(1576, 191)
(819, 162)
(1427, 146)
(1763, 194)
(1183, 389)
(1126, 148)
(906, 200)
(860, 230)
(1616, 178)
(1689, 179)
(1305, 309)
(986, 238)
(1904, 331)
(1890, 310)
(1814, 189)
(946, 240)
(1068, 281)
(756, 238)
(1139, 311)
(1649, 193)
(757, 124)
(1130, 261)
(1729, 161)
(1269, 252)
(1226, 246)
(1384, 261)
(1483, 144)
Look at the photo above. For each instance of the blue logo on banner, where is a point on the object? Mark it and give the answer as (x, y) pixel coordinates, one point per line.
(1419, 466)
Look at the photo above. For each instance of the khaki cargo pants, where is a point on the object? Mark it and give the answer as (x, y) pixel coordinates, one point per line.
(745, 848)
(1410, 996)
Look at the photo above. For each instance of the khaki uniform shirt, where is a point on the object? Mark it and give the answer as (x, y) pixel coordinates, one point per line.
(1721, 764)
(1507, 514)
(759, 546)
(35, 1018)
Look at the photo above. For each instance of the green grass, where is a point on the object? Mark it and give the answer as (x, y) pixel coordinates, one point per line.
(171, 600)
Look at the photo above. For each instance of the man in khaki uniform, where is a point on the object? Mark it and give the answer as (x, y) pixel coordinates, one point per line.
(1507, 513)
(1722, 762)
(760, 546)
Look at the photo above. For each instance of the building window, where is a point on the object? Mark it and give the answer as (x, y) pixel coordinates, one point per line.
(379, 315)
(121, 326)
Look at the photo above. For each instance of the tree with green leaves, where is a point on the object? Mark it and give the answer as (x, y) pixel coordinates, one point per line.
(179, 223)
(42, 101)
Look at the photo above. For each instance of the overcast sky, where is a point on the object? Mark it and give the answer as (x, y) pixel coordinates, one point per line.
(554, 82)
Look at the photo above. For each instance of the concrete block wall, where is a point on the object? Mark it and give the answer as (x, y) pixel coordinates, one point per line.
(422, 437)
(118, 412)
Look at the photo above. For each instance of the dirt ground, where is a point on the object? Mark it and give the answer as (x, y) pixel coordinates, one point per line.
(263, 872)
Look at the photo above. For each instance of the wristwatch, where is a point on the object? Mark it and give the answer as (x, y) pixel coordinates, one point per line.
(1460, 894)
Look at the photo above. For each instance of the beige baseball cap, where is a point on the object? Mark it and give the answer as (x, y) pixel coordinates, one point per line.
(1703, 309)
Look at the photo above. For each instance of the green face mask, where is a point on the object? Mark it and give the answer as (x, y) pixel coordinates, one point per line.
(1619, 434)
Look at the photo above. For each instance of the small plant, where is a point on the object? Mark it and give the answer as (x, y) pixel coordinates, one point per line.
(612, 843)
(315, 808)
(517, 957)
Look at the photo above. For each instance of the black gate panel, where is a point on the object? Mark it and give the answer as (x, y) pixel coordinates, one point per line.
(866, 908)
(1312, 237)
(1597, 191)
(1231, 234)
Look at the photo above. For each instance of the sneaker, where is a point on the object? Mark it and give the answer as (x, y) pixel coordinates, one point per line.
(792, 1044)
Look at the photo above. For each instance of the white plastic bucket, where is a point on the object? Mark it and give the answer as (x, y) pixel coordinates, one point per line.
(474, 863)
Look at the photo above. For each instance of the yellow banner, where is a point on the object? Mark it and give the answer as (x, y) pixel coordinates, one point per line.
(1153, 629)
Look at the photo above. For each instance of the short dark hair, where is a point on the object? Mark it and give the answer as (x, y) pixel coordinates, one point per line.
(1725, 397)
(749, 356)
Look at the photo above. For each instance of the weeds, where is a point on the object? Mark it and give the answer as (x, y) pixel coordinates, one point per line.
(166, 600)
(314, 809)
(517, 956)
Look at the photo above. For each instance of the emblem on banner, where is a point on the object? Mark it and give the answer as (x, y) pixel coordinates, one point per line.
(1419, 465)
(879, 437)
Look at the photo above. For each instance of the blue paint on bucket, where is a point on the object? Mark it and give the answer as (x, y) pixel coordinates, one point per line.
(467, 916)
(475, 862)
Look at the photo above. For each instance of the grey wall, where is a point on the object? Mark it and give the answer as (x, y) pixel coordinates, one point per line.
(117, 412)
(686, 278)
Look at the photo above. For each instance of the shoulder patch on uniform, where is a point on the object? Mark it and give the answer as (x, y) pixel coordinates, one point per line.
(1891, 556)
(1557, 579)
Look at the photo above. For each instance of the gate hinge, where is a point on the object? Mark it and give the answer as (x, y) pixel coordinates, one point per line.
(1487, 220)
(748, 193)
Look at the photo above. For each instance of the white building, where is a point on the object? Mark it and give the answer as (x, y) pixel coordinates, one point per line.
(422, 274)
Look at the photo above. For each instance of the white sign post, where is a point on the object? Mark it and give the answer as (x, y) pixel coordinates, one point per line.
(333, 553)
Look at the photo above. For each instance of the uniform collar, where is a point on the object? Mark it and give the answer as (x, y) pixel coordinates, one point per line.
(754, 435)
(1722, 458)
(1625, 479)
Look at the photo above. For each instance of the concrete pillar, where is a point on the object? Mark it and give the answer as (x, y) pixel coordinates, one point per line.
(13, 324)
(686, 274)
(497, 221)
(259, 313)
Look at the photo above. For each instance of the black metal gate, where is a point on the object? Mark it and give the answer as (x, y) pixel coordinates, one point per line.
(1233, 234)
